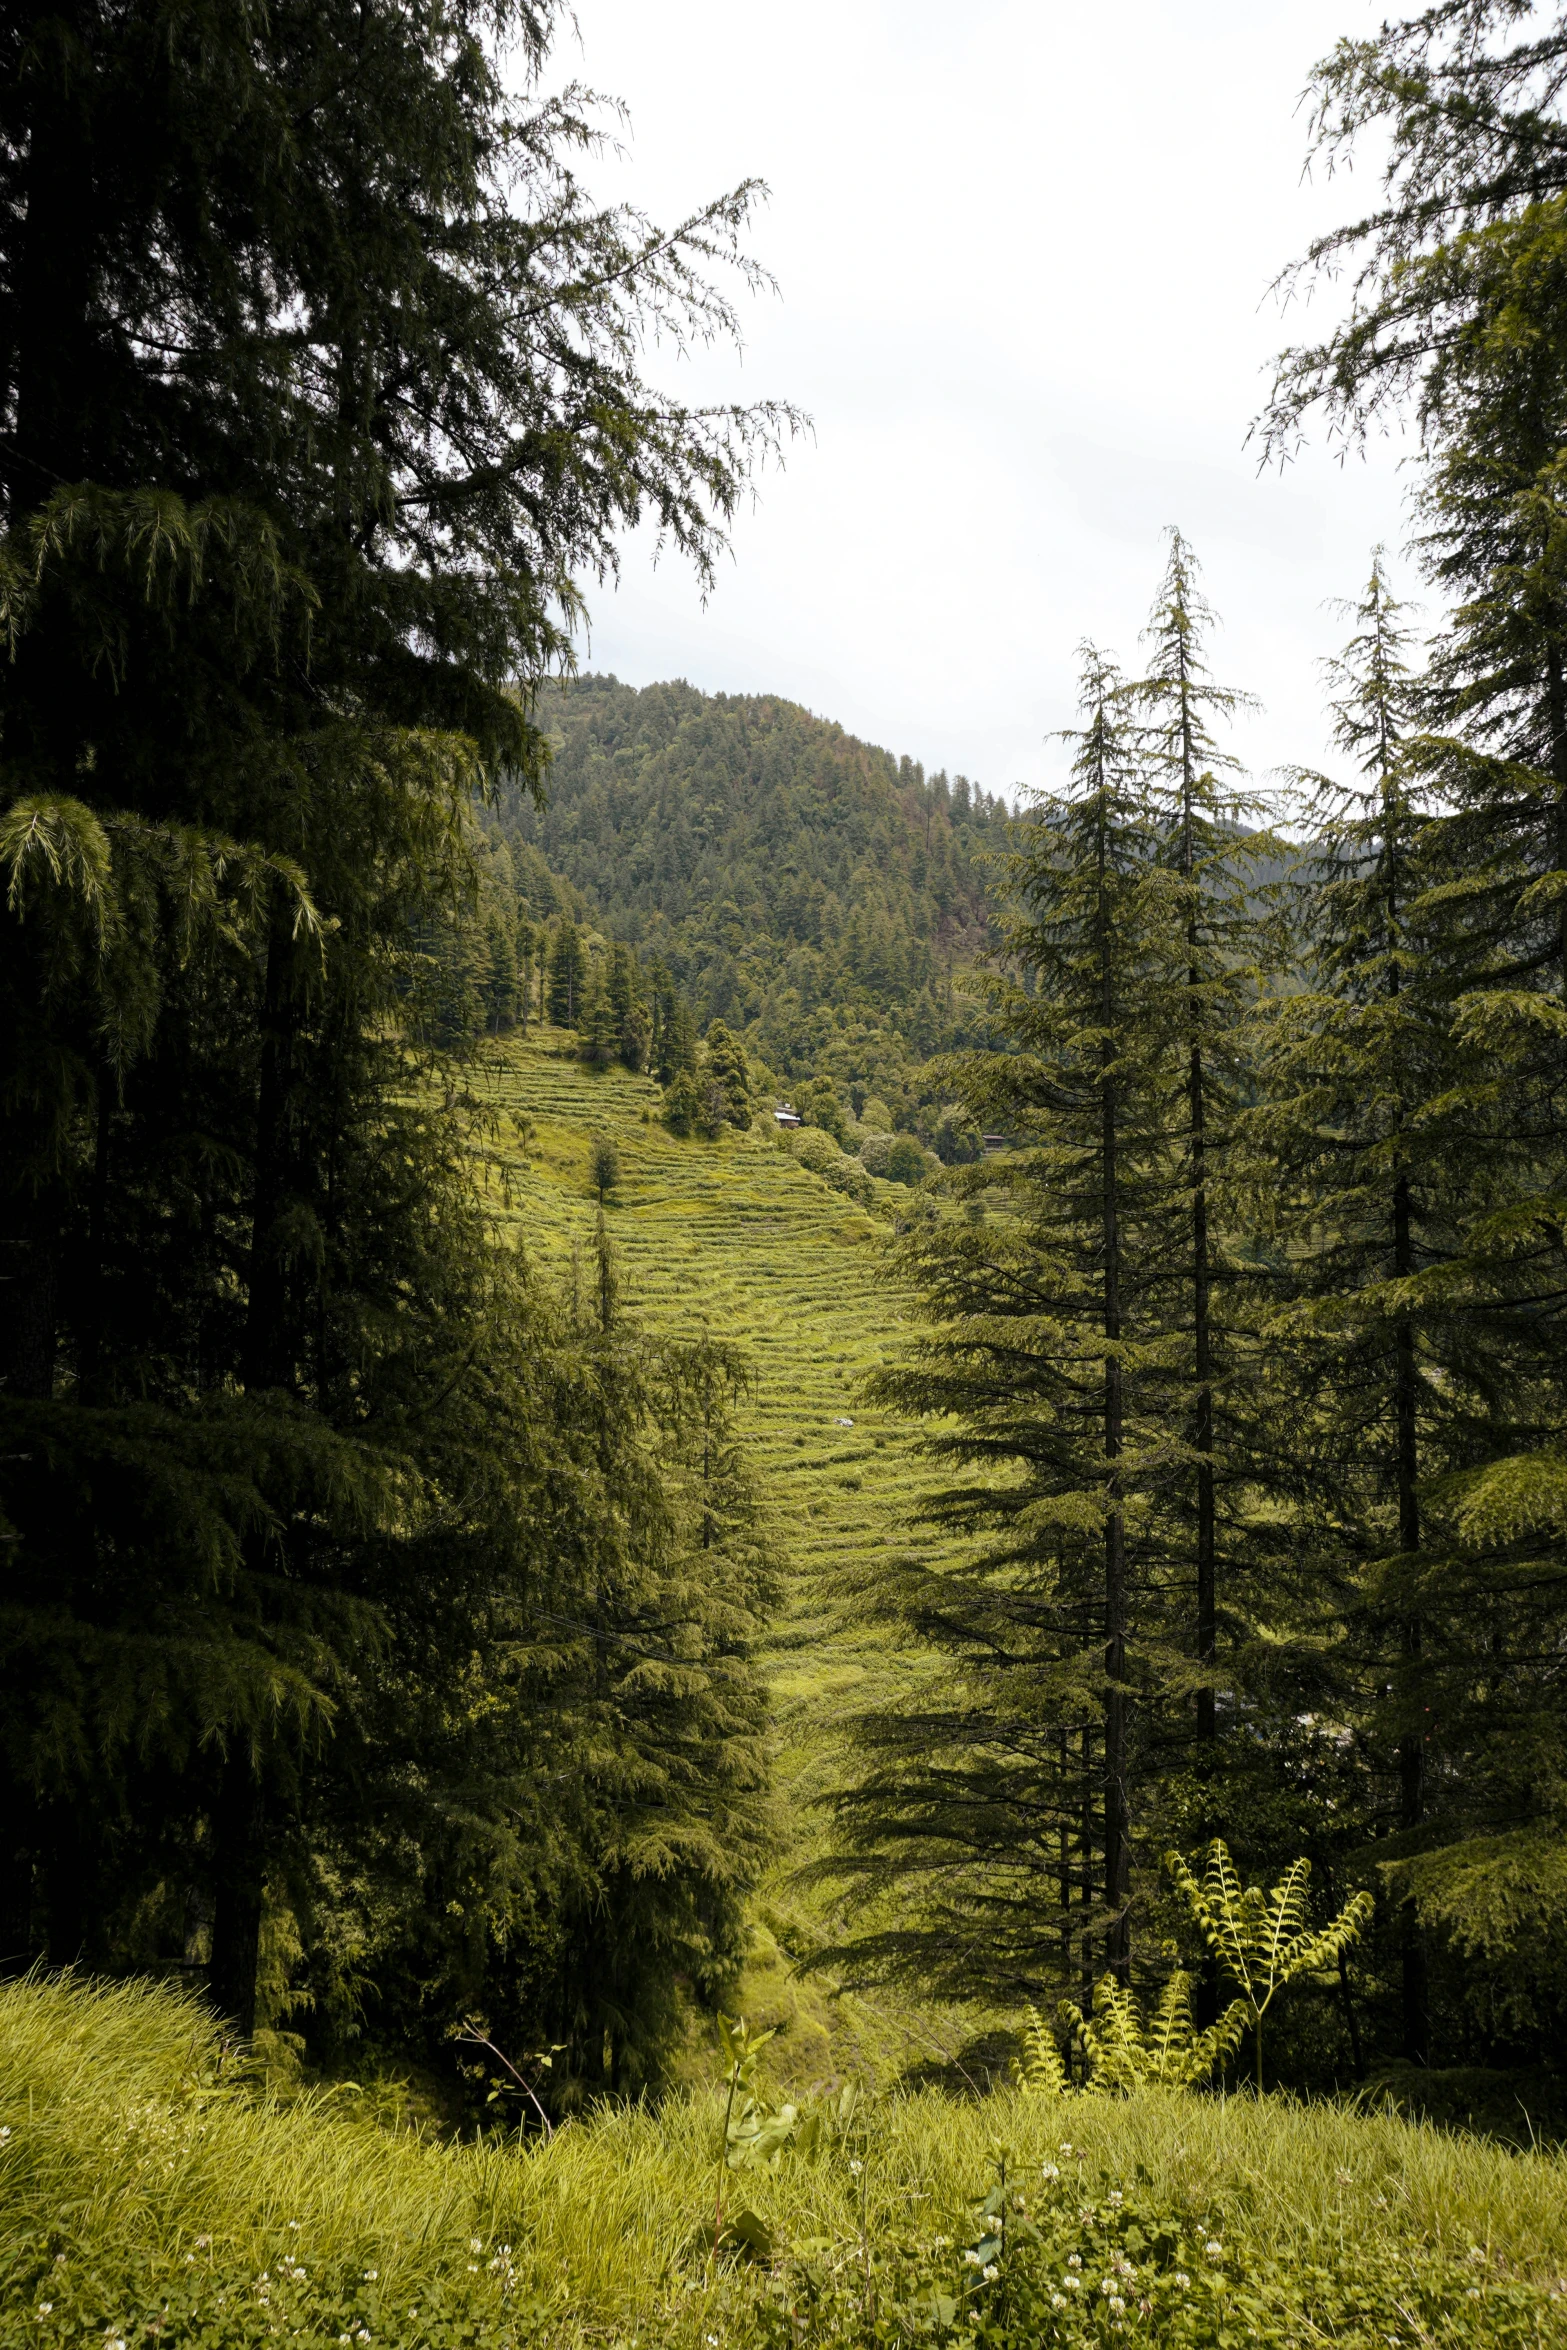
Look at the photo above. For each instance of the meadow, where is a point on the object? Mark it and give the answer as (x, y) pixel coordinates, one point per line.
(150, 2192)
(735, 1237)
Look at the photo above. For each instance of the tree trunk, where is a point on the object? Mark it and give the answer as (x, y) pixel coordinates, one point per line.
(1207, 1574)
(237, 1823)
(1118, 1859)
(1411, 1750)
(1556, 695)
(266, 1355)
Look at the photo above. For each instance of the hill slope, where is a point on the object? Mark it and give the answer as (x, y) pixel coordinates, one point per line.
(736, 1236)
(797, 882)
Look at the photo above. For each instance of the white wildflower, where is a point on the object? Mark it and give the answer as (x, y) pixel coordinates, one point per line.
(1058, 2301)
(296, 2223)
(203, 2243)
(1048, 2170)
(1214, 2249)
(475, 2243)
(973, 2259)
(46, 2308)
(1116, 2195)
(990, 2272)
(370, 2275)
(1181, 2278)
(855, 2168)
(1118, 2305)
(1074, 2260)
(1475, 2294)
(1076, 2283)
(5, 2132)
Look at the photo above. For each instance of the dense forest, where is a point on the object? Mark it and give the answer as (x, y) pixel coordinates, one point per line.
(823, 900)
(381, 1607)
(376, 1612)
(794, 880)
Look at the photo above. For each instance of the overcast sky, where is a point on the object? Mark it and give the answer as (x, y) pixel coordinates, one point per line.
(1023, 251)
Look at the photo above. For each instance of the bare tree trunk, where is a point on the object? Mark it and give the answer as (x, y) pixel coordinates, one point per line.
(1118, 1858)
(237, 1824)
(1411, 1751)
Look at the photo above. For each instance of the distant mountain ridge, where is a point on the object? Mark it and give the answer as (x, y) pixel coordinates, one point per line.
(800, 884)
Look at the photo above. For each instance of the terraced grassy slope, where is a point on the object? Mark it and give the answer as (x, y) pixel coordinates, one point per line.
(736, 1236)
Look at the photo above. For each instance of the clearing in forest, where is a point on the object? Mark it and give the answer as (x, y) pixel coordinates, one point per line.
(736, 1236)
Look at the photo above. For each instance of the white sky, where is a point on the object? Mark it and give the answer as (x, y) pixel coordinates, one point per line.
(1023, 251)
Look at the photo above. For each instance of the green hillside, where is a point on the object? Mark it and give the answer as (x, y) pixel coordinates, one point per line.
(735, 1235)
(797, 883)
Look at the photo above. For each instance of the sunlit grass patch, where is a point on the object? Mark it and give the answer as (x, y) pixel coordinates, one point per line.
(139, 2169)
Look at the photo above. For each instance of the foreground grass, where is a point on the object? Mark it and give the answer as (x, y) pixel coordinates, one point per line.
(145, 2192)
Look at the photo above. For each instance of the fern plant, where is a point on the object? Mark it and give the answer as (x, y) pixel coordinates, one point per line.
(1263, 1940)
(1038, 2069)
(1124, 2052)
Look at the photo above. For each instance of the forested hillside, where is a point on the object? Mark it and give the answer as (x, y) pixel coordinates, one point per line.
(797, 883)
(516, 1545)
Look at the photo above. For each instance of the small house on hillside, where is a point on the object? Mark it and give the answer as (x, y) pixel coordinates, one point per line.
(993, 1142)
(784, 1116)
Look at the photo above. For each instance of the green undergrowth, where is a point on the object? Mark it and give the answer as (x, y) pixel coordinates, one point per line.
(149, 2193)
(736, 1237)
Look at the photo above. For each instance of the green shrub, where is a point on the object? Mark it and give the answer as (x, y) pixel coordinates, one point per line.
(906, 1161)
(816, 1149)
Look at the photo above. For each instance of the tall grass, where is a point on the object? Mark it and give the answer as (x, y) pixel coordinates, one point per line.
(132, 2136)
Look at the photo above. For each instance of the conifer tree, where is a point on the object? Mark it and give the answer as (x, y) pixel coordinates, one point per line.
(308, 434)
(1005, 1816)
(1458, 313)
(1202, 815)
(596, 1026)
(727, 1070)
(628, 1007)
(566, 983)
(677, 1041)
(1360, 1062)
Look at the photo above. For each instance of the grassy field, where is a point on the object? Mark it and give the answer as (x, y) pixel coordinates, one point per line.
(148, 2195)
(733, 1236)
